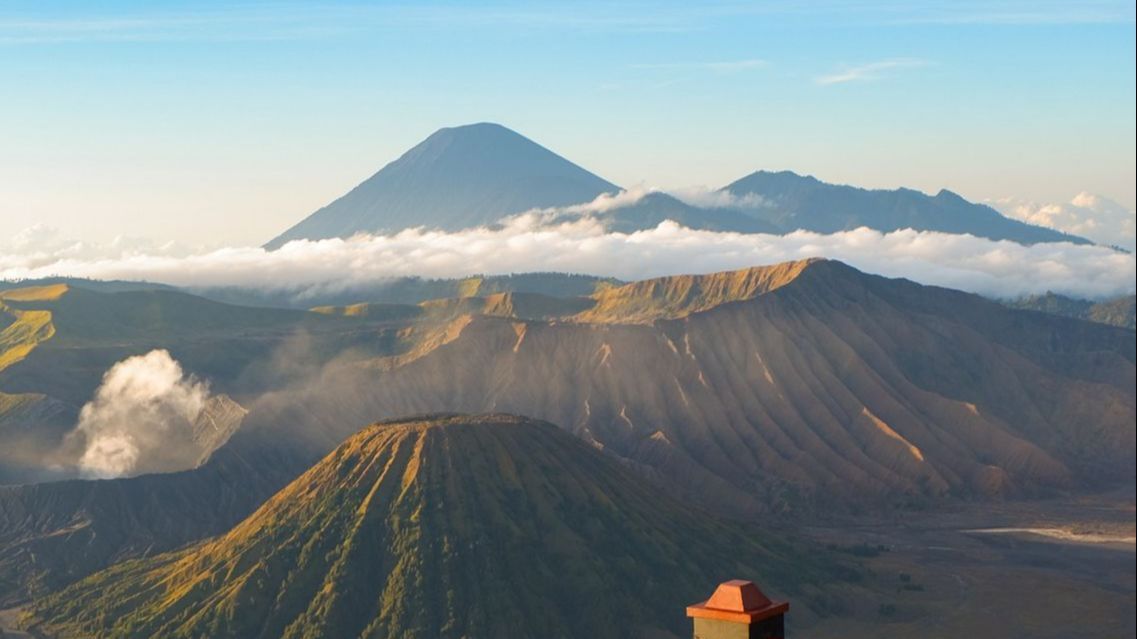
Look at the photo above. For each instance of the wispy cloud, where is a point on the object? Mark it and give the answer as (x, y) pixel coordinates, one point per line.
(869, 71)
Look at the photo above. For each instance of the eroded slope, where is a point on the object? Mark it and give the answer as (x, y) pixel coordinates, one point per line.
(448, 526)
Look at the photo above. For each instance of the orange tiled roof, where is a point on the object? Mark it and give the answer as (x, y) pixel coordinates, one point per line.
(738, 600)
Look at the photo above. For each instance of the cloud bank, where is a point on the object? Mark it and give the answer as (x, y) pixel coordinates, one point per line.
(141, 418)
(1091, 216)
(527, 243)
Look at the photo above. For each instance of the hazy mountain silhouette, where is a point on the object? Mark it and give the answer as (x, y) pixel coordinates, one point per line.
(791, 201)
(476, 175)
(457, 178)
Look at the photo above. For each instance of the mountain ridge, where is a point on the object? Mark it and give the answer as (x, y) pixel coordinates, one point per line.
(837, 386)
(478, 174)
(641, 301)
(792, 201)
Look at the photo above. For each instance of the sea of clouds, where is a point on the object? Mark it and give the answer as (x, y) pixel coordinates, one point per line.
(531, 242)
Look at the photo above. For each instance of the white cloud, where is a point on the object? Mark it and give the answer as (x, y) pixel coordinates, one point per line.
(700, 196)
(870, 71)
(606, 201)
(140, 419)
(42, 245)
(712, 198)
(1091, 216)
(527, 243)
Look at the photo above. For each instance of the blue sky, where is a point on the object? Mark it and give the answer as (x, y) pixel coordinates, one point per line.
(215, 122)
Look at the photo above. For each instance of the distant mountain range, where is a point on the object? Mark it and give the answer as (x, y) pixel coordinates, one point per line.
(791, 201)
(446, 526)
(476, 175)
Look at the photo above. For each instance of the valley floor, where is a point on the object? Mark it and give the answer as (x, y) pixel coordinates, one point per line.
(1040, 569)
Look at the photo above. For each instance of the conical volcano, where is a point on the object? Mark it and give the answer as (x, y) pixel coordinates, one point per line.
(457, 178)
(447, 526)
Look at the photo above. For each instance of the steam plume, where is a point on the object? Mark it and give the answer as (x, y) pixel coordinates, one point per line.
(141, 418)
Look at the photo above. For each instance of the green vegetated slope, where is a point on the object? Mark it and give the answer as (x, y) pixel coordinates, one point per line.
(22, 330)
(85, 316)
(410, 290)
(1117, 312)
(508, 304)
(446, 526)
(1120, 311)
(67, 337)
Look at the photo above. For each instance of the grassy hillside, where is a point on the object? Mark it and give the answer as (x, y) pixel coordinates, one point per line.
(412, 290)
(22, 330)
(1121, 311)
(100, 286)
(449, 526)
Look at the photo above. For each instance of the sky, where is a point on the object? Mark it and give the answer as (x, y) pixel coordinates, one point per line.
(220, 124)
